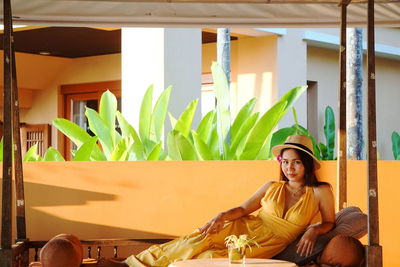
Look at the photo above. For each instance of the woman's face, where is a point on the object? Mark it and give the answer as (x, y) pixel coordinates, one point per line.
(292, 166)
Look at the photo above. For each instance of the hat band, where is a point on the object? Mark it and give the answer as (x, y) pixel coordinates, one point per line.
(301, 146)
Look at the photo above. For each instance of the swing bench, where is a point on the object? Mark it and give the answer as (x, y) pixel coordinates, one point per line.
(17, 255)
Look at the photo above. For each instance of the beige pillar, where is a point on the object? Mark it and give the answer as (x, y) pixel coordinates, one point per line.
(161, 57)
(292, 72)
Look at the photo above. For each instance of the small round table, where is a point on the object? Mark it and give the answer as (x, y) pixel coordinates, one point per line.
(223, 262)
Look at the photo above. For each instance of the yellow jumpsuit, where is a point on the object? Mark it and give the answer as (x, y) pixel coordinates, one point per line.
(271, 229)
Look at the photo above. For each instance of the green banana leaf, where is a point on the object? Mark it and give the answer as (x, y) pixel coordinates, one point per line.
(323, 151)
(85, 151)
(213, 143)
(107, 109)
(241, 117)
(264, 152)
(173, 150)
(296, 121)
(122, 149)
(155, 153)
(75, 133)
(159, 114)
(145, 114)
(262, 129)
(329, 131)
(172, 120)
(128, 131)
(279, 137)
(222, 95)
(149, 146)
(240, 148)
(32, 155)
(163, 154)
(268, 122)
(396, 145)
(205, 126)
(203, 152)
(100, 129)
(184, 123)
(243, 132)
(186, 148)
(52, 154)
(78, 136)
(291, 96)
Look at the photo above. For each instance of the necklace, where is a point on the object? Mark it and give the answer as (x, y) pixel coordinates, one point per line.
(296, 192)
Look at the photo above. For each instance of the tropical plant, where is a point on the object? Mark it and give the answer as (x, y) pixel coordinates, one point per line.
(247, 138)
(327, 150)
(51, 154)
(396, 145)
(321, 151)
(216, 138)
(129, 145)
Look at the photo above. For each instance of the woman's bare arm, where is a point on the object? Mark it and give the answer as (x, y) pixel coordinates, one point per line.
(247, 207)
(326, 205)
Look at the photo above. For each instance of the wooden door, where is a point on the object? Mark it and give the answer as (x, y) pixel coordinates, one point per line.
(76, 98)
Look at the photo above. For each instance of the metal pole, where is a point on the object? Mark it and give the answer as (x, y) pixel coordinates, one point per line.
(374, 250)
(342, 151)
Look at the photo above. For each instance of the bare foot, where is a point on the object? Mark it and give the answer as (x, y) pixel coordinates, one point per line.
(110, 263)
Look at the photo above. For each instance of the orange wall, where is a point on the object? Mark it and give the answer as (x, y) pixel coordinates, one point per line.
(169, 198)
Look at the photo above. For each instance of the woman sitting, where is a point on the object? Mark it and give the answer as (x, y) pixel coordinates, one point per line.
(286, 209)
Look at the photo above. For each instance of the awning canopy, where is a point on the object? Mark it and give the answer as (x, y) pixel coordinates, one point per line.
(197, 13)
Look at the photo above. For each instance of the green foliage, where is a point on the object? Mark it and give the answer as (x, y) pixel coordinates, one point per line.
(52, 154)
(329, 132)
(221, 88)
(396, 145)
(249, 137)
(115, 146)
(321, 151)
(31, 154)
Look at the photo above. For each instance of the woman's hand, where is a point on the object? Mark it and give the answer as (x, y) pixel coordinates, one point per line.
(215, 225)
(306, 244)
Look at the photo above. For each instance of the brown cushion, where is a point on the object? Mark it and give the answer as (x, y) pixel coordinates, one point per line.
(350, 221)
(62, 250)
(343, 251)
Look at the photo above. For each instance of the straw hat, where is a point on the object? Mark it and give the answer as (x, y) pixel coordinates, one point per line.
(300, 142)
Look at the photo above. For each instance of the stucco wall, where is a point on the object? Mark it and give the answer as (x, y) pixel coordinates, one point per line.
(253, 71)
(164, 198)
(45, 74)
(322, 66)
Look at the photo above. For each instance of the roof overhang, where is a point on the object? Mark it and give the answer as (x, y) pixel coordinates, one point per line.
(170, 13)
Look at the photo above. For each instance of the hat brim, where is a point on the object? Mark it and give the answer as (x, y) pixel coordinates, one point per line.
(276, 150)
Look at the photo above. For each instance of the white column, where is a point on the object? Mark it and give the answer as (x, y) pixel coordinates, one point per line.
(161, 57)
(292, 72)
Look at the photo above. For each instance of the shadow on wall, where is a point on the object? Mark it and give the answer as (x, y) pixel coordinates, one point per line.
(42, 225)
(41, 195)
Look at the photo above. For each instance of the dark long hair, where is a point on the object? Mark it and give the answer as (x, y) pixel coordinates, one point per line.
(308, 162)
